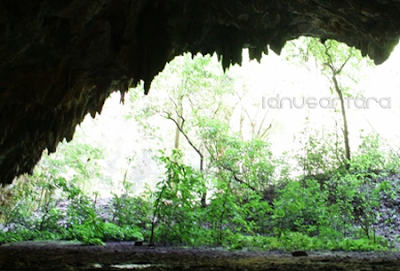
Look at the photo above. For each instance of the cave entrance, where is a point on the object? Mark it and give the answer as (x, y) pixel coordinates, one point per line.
(260, 157)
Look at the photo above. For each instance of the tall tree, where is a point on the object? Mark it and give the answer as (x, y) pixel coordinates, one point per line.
(341, 66)
(191, 88)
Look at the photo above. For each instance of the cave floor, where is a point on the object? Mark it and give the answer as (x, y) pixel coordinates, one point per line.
(125, 256)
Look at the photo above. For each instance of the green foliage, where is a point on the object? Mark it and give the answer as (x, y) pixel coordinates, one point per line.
(175, 199)
(112, 232)
(242, 197)
(128, 210)
(332, 210)
(248, 162)
(321, 152)
(75, 161)
(313, 212)
(300, 207)
(299, 241)
(372, 157)
(183, 92)
(312, 51)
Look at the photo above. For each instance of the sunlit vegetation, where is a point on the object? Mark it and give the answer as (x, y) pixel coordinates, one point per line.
(222, 183)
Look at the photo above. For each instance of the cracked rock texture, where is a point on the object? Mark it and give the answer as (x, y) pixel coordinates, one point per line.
(61, 59)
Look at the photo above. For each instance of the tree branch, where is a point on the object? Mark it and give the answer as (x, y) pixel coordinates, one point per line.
(237, 178)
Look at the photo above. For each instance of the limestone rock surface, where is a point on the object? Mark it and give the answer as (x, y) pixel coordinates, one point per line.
(61, 59)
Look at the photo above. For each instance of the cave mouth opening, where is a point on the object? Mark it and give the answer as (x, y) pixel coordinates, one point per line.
(262, 157)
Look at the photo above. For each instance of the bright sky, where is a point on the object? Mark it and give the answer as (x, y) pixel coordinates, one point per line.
(273, 76)
(276, 76)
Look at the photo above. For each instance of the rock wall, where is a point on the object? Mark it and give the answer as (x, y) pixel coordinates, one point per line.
(61, 59)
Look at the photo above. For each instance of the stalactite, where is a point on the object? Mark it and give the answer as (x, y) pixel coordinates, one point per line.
(60, 60)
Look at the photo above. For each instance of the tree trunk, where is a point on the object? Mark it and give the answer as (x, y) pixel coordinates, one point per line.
(177, 137)
(345, 127)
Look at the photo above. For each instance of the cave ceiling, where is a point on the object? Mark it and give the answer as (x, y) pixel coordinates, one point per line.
(61, 59)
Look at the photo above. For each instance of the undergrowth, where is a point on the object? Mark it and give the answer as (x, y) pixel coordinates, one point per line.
(257, 208)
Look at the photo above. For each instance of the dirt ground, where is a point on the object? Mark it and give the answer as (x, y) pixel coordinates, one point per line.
(125, 256)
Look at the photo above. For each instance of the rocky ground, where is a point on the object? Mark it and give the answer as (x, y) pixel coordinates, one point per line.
(125, 256)
(388, 212)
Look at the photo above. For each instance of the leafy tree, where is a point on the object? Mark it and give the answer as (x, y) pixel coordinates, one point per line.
(199, 90)
(176, 198)
(339, 64)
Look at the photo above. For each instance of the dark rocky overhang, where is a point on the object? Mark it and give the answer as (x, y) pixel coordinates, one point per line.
(61, 59)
